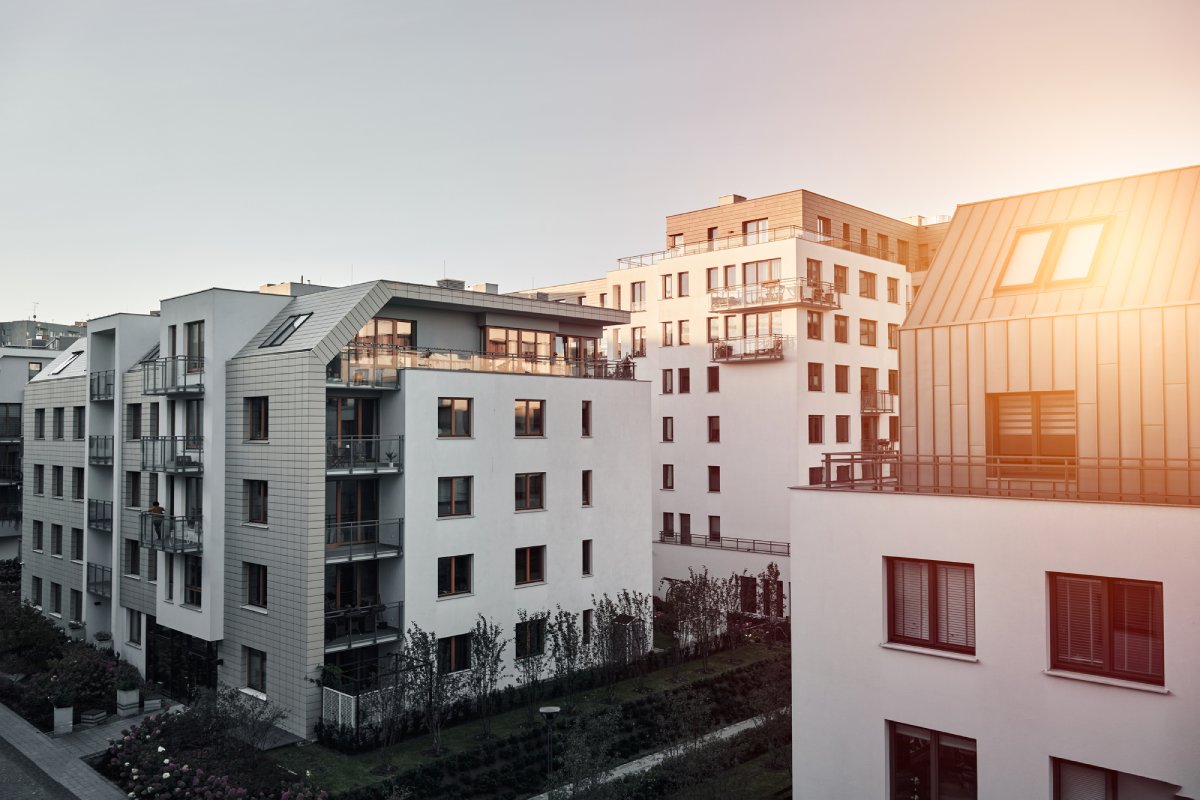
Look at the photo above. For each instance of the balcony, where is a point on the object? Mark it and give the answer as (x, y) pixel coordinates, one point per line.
(181, 455)
(1153, 481)
(375, 366)
(370, 455)
(748, 239)
(362, 626)
(727, 543)
(10, 474)
(101, 383)
(876, 402)
(752, 348)
(99, 580)
(10, 429)
(10, 512)
(100, 451)
(354, 541)
(172, 534)
(100, 514)
(173, 375)
(784, 292)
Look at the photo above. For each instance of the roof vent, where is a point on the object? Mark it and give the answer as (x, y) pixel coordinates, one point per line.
(730, 199)
(486, 288)
(452, 283)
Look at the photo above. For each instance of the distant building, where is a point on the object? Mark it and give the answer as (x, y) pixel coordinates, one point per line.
(38, 335)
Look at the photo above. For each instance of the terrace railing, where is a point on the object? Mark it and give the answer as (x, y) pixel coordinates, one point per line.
(101, 384)
(378, 366)
(100, 514)
(751, 348)
(363, 625)
(99, 580)
(372, 454)
(758, 237)
(173, 375)
(172, 534)
(351, 541)
(175, 454)
(783, 292)
(877, 402)
(726, 543)
(100, 450)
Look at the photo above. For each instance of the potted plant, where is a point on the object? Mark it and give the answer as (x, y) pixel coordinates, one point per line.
(103, 640)
(62, 698)
(391, 457)
(129, 684)
(153, 699)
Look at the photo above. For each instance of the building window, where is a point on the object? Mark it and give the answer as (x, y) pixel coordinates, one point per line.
(1075, 781)
(866, 332)
(454, 575)
(685, 528)
(813, 272)
(77, 544)
(193, 423)
(668, 523)
(1028, 427)
(841, 428)
(133, 421)
(530, 417)
(814, 325)
(454, 653)
(255, 577)
(685, 336)
(33, 369)
(530, 491)
(39, 423)
(35, 591)
(531, 637)
(937, 766)
(637, 342)
(668, 476)
(714, 329)
(748, 594)
(816, 376)
(668, 381)
(816, 429)
(531, 564)
(714, 479)
(77, 483)
(714, 429)
(893, 290)
(56, 481)
(712, 278)
(285, 330)
(257, 410)
(931, 604)
(816, 476)
(667, 284)
(454, 496)
(668, 334)
(58, 429)
(586, 424)
(56, 540)
(133, 489)
(841, 278)
(637, 296)
(587, 556)
(893, 336)
(714, 379)
(170, 565)
(39, 479)
(76, 606)
(587, 626)
(866, 284)
(841, 378)
(714, 528)
(133, 557)
(194, 346)
(668, 429)
(841, 328)
(586, 487)
(56, 599)
(1046, 255)
(454, 417)
(192, 569)
(38, 542)
(684, 284)
(256, 670)
(685, 380)
(133, 624)
(256, 501)
(1107, 626)
(893, 381)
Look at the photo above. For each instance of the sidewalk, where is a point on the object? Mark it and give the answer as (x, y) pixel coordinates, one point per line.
(60, 758)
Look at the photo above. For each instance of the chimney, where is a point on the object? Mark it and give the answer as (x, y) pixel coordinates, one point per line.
(486, 288)
(452, 283)
(730, 199)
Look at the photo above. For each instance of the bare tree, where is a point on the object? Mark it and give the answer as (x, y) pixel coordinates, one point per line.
(487, 668)
(770, 591)
(531, 652)
(567, 650)
(620, 634)
(699, 604)
(429, 688)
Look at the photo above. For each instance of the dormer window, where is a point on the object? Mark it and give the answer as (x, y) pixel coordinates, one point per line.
(74, 355)
(1044, 256)
(284, 331)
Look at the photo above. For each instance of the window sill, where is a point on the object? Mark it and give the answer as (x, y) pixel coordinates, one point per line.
(256, 441)
(39, 550)
(529, 436)
(76, 560)
(262, 526)
(57, 555)
(588, 575)
(77, 499)
(1106, 681)
(255, 609)
(455, 516)
(530, 583)
(466, 438)
(56, 615)
(246, 690)
(668, 489)
(132, 577)
(196, 609)
(134, 645)
(929, 651)
(527, 510)
(455, 596)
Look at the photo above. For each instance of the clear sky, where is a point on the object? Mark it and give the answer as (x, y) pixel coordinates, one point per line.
(148, 149)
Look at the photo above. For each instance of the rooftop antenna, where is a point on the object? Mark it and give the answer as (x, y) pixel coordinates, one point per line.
(35, 305)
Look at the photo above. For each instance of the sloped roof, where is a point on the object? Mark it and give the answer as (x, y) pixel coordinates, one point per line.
(1149, 253)
(77, 368)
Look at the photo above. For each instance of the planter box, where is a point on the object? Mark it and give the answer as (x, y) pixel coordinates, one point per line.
(64, 720)
(106, 644)
(128, 701)
(153, 704)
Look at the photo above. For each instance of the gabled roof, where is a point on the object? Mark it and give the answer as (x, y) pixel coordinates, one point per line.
(77, 367)
(1149, 253)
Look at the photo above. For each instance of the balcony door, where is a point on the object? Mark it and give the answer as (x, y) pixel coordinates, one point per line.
(351, 585)
(349, 507)
(351, 417)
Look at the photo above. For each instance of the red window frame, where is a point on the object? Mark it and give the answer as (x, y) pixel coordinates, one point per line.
(931, 604)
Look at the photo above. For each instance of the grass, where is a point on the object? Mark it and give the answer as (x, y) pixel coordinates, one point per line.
(339, 772)
(751, 779)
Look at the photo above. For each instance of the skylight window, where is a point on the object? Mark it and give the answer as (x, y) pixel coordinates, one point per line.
(1078, 252)
(1050, 255)
(285, 331)
(74, 355)
(1026, 258)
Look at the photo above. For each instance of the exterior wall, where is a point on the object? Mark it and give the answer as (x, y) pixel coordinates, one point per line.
(846, 683)
(138, 591)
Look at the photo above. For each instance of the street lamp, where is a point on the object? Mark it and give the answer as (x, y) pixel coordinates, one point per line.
(548, 713)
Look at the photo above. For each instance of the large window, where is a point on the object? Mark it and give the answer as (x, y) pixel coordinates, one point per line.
(133, 557)
(454, 417)
(930, 765)
(1038, 425)
(454, 653)
(866, 332)
(194, 346)
(56, 539)
(531, 637)
(39, 479)
(133, 421)
(256, 670)
(816, 429)
(841, 378)
(668, 476)
(133, 489)
(257, 410)
(531, 564)
(637, 296)
(256, 501)
(56, 481)
(685, 380)
(866, 284)
(931, 604)
(255, 576)
(454, 575)
(841, 328)
(814, 325)
(59, 431)
(192, 571)
(530, 491)
(668, 381)
(841, 278)
(668, 335)
(893, 290)
(454, 496)
(193, 423)
(530, 417)
(816, 376)
(638, 342)
(1047, 255)
(1107, 626)
(77, 544)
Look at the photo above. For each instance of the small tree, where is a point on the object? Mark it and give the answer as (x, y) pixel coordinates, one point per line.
(587, 748)
(430, 689)
(620, 635)
(770, 592)
(531, 652)
(567, 650)
(487, 668)
(699, 604)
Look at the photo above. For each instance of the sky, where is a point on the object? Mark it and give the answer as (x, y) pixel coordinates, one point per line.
(150, 149)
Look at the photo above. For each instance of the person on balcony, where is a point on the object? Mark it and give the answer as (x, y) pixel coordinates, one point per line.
(156, 513)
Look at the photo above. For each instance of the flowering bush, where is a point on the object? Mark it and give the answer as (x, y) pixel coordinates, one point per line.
(85, 675)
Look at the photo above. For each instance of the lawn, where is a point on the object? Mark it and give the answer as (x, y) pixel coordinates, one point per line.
(751, 779)
(338, 772)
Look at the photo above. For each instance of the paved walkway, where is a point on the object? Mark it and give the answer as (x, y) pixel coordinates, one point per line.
(60, 757)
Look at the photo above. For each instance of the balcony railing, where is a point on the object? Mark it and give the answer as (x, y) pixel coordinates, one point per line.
(363, 625)
(1158, 481)
(99, 580)
(759, 237)
(351, 541)
(378, 366)
(751, 348)
(100, 450)
(727, 543)
(10, 512)
(172, 534)
(782, 292)
(10, 428)
(177, 454)
(10, 473)
(101, 383)
(100, 514)
(370, 454)
(876, 402)
(173, 375)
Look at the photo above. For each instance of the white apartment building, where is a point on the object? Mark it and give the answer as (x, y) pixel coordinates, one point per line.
(1006, 608)
(332, 465)
(769, 329)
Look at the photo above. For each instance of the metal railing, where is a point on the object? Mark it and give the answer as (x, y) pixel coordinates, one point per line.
(1157, 481)
(10, 512)
(10, 473)
(752, 348)
(364, 454)
(758, 237)
(363, 625)
(878, 402)
(351, 541)
(173, 375)
(99, 514)
(10, 428)
(100, 450)
(177, 454)
(782, 292)
(378, 366)
(99, 580)
(172, 534)
(727, 543)
(101, 384)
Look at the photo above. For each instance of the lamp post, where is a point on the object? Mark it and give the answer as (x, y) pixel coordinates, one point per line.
(548, 713)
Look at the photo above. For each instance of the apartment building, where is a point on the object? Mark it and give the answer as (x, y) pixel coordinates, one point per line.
(284, 480)
(40, 335)
(768, 328)
(1006, 607)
